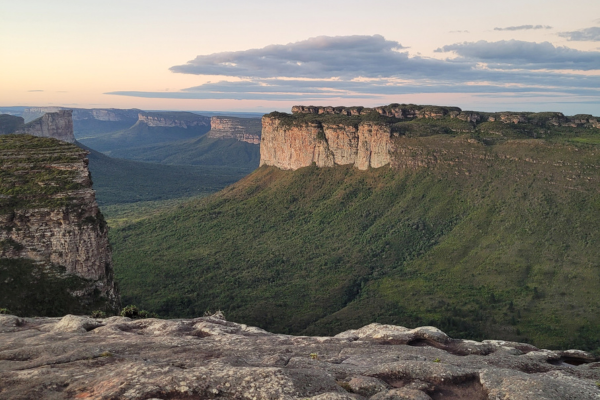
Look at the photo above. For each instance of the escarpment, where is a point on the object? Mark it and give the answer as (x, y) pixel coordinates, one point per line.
(51, 230)
(173, 119)
(369, 137)
(57, 125)
(241, 129)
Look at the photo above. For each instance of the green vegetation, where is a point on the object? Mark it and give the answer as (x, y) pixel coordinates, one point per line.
(32, 289)
(138, 135)
(36, 172)
(98, 314)
(10, 123)
(5, 311)
(133, 312)
(202, 151)
(119, 181)
(488, 241)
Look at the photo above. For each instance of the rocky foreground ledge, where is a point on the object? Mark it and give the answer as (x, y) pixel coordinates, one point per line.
(206, 358)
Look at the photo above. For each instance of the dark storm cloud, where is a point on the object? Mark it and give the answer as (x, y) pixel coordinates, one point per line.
(583, 35)
(330, 67)
(518, 54)
(523, 28)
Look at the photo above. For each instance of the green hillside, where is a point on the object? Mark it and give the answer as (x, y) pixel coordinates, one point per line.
(481, 238)
(199, 151)
(139, 134)
(119, 181)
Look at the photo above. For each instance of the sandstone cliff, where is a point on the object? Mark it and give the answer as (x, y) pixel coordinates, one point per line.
(209, 357)
(242, 129)
(58, 125)
(368, 137)
(48, 214)
(173, 119)
(82, 114)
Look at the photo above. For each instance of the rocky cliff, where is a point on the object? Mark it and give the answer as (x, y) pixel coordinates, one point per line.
(243, 129)
(58, 125)
(82, 114)
(367, 137)
(173, 119)
(49, 215)
(209, 357)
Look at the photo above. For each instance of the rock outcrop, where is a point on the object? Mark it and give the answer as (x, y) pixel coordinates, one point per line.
(174, 119)
(367, 137)
(243, 129)
(291, 147)
(209, 357)
(48, 213)
(57, 125)
(83, 114)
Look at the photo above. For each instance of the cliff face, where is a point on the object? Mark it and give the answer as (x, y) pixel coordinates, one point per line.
(242, 129)
(174, 119)
(81, 114)
(291, 147)
(58, 125)
(371, 137)
(49, 214)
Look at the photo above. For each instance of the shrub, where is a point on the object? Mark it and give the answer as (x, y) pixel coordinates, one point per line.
(4, 311)
(133, 312)
(130, 311)
(98, 314)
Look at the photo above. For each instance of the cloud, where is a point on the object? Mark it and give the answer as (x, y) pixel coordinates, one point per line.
(319, 57)
(33, 91)
(513, 54)
(371, 67)
(458, 32)
(583, 35)
(523, 27)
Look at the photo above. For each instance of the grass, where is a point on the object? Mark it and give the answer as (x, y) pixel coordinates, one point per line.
(493, 241)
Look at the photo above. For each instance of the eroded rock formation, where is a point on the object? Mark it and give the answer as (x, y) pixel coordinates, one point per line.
(242, 129)
(57, 125)
(170, 120)
(367, 137)
(209, 357)
(49, 214)
(292, 147)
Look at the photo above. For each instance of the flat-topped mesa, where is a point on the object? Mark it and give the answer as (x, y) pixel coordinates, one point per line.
(57, 125)
(243, 129)
(173, 119)
(365, 137)
(49, 215)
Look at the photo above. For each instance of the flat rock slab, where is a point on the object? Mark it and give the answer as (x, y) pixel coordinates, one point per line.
(77, 357)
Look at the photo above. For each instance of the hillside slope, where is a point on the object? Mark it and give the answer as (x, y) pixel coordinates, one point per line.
(481, 238)
(119, 181)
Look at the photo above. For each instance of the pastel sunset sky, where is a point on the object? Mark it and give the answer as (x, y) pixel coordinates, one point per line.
(263, 55)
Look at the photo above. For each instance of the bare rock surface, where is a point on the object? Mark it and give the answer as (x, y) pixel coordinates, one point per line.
(242, 129)
(57, 125)
(77, 357)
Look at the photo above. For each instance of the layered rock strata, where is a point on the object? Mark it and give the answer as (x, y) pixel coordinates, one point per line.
(57, 125)
(412, 111)
(209, 357)
(49, 214)
(82, 114)
(292, 147)
(242, 129)
(170, 120)
(368, 137)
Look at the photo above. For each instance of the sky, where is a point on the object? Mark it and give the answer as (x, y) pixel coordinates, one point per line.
(263, 55)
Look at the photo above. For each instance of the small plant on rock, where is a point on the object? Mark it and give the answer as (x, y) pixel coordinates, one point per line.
(4, 311)
(98, 314)
(314, 356)
(133, 312)
(130, 311)
(437, 360)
